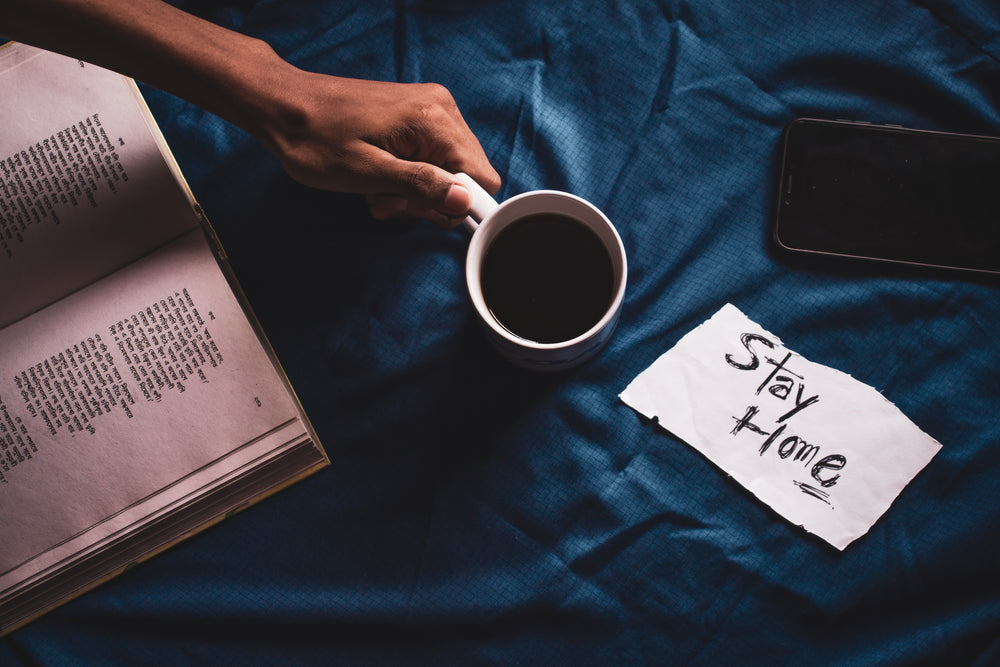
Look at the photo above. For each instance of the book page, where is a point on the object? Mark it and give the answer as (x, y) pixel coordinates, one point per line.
(84, 185)
(124, 388)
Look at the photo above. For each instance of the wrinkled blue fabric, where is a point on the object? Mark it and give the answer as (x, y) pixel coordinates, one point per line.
(480, 514)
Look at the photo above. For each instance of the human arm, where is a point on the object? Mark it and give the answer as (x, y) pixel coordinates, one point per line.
(398, 144)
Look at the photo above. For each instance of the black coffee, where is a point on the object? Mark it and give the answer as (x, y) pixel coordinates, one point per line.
(547, 278)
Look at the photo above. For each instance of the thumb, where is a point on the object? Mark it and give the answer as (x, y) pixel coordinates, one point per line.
(427, 186)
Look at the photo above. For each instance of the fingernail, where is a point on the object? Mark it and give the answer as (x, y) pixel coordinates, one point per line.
(457, 199)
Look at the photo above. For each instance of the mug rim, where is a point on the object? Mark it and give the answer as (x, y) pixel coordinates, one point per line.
(479, 302)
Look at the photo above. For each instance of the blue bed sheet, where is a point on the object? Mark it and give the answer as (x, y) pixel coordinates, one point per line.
(476, 513)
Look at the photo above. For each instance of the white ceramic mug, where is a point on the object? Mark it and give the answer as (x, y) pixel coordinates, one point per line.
(486, 220)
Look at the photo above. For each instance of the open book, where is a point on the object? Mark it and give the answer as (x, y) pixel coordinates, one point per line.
(139, 401)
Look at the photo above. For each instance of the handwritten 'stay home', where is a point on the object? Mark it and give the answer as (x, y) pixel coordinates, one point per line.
(827, 452)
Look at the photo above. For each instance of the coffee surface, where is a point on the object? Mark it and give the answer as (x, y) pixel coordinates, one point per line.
(547, 278)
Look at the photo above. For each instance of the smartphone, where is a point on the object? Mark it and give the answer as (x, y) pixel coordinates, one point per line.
(890, 193)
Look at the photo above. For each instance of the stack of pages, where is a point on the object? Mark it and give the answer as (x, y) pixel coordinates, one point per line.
(139, 400)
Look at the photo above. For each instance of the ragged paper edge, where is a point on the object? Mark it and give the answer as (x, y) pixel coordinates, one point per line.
(648, 412)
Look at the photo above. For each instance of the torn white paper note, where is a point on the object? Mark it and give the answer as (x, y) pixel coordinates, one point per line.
(824, 450)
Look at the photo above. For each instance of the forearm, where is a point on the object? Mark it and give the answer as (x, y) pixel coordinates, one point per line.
(398, 143)
(230, 74)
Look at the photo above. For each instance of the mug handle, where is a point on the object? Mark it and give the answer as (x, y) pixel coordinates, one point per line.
(482, 203)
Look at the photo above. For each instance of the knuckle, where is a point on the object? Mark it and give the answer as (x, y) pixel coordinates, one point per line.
(438, 93)
(422, 179)
(435, 101)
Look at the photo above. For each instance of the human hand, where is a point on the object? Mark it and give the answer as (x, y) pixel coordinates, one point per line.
(398, 144)
(395, 143)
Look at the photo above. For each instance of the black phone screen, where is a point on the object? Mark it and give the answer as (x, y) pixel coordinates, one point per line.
(890, 193)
